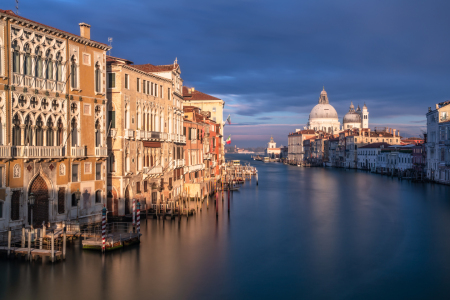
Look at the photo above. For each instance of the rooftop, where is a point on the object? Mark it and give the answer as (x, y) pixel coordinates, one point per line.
(192, 94)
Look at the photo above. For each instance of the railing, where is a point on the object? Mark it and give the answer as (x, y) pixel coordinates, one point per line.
(17, 79)
(140, 134)
(195, 167)
(145, 170)
(49, 85)
(40, 83)
(154, 135)
(37, 151)
(5, 151)
(207, 156)
(60, 87)
(155, 170)
(129, 133)
(101, 151)
(163, 136)
(77, 152)
(180, 163)
(183, 139)
(112, 132)
(29, 81)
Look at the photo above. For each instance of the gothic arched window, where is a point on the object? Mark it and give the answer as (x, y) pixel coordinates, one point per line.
(16, 131)
(28, 134)
(27, 61)
(50, 132)
(98, 140)
(58, 67)
(74, 132)
(73, 72)
(16, 58)
(97, 78)
(49, 64)
(39, 66)
(39, 132)
(59, 133)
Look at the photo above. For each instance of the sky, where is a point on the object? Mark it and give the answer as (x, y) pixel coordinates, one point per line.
(269, 60)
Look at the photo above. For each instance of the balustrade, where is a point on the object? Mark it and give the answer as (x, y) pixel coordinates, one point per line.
(37, 151)
(78, 152)
(129, 133)
(155, 170)
(101, 151)
(5, 151)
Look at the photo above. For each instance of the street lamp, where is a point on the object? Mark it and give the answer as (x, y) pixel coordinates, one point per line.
(31, 200)
(77, 198)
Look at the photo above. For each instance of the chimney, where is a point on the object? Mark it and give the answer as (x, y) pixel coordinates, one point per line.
(193, 89)
(387, 129)
(398, 133)
(85, 30)
(394, 131)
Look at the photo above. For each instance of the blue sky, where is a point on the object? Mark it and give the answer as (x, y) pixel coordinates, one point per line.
(269, 59)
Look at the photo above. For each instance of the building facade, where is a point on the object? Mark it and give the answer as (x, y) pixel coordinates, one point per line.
(53, 116)
(145, 136)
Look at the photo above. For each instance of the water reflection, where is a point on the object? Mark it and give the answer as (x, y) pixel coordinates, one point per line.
(302, 233)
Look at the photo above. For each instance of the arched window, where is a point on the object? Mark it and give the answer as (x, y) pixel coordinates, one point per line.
(16, 131)
(49, 65)
(98, 196)
(28, 134)
(27, 61)
(74, 200)
(74, 132)
(73, 73)
(112, 163)
(58, 67)
(50, 141)
(39, 66)
(98, 140)
(39, 132)
(59, 133)
(97, 78)
(127, 162)
(16, 58)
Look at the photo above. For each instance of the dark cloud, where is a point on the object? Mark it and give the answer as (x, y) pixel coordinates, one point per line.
(275, 56)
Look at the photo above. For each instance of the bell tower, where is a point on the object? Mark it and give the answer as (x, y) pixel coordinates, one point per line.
(365, 117)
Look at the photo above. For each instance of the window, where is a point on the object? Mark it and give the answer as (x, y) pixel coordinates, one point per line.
(58, 66)
(145, 186)
(98, 171)
(27, 61)
(127, 81)
(168, 93)
(111, 80)
(87, 109)
(61, 200)
(73, 73)
(39, 64)
(98, 84)
(112, 119)
(1, 209)
(49, 64)
(214, 109)
(75, 173)
(138, 85)
(144, 85)
(112, 163)
(98, 196)
(2, 170)
(16, 58)
(148, 87)
(74, 200)
(162, 93)
(138, 187)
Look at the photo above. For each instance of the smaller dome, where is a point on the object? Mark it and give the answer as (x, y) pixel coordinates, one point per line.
(352, 116)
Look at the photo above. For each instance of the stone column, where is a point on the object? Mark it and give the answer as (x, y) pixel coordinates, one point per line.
(22, 134)
(33, 135)
(44, 136)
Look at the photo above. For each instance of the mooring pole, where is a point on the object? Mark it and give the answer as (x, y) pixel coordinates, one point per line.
(29, 244)
(9, 241)
(23, 235)
(104, 228)
(40, 238)
(138, 219)
(256, 178)
(228, 200)
(53, 246)
(64, 242)
(217, 195)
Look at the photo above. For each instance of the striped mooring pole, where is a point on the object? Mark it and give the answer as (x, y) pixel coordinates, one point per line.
(103, 229)
(134, 212)
(138, 217)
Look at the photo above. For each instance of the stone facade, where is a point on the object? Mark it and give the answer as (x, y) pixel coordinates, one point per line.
(145, 126)
(53, 133)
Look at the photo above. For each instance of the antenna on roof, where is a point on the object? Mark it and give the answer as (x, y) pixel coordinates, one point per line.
(110, 39)
(17, 7)
(175, 62)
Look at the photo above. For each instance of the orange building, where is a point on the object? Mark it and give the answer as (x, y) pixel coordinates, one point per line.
(53, 133)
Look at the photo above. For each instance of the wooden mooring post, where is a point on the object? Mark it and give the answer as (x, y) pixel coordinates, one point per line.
(23, 236)
(64, 243)
(53, 247)
(9, 242)
(29, 244)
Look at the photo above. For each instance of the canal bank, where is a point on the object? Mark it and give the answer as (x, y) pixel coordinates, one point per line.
(301, 233)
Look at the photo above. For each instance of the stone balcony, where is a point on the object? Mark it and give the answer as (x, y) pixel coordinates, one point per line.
(101, 151)
(156, 170)
(129, 133)
(194, 168)
(38, 83)
(78, 151)
(36, 151)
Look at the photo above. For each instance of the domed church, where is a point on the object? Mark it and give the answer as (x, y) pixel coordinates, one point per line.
(323, 116)
(356, 119)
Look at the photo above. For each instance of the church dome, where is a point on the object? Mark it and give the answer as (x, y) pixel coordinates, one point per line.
(352, 116)
(323, 111)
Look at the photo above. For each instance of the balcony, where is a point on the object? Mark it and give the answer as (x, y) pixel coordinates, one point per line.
(129, 133)
(37, 151)
(101, 151)
(179, 163)
(5, 151)
(155, 170)
(78, 151)
(207, 156)
(194, 168)
(112, 133)
(141, 134)
(38, 83)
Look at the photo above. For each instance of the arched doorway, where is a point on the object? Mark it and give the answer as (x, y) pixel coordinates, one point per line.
(39, 189)
(127, 201)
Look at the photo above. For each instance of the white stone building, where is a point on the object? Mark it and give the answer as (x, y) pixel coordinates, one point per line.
(323, 116)
(356, 119)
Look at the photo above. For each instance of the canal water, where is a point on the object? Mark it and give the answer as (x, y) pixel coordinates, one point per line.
(303, 233)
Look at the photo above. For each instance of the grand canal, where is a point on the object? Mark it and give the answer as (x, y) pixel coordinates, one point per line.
(303, 233)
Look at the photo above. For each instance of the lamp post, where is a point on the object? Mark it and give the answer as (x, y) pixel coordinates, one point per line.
(31, 200)
(77, 198)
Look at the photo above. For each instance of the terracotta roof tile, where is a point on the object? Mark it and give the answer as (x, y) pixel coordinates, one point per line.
(153, 68)
(196, 95)
(375, 145)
